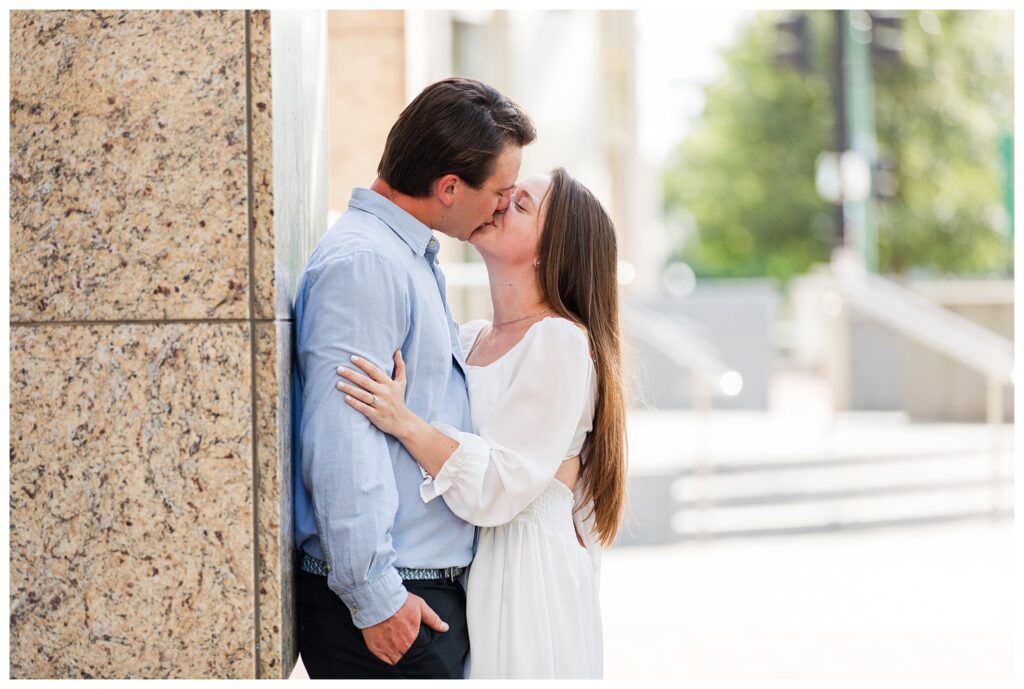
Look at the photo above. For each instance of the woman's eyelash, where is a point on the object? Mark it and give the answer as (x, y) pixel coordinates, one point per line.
(518, 205)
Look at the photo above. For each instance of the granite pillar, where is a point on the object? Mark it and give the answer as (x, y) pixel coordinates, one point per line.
(159, 215)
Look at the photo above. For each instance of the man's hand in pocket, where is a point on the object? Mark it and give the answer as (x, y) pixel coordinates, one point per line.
(389, 640)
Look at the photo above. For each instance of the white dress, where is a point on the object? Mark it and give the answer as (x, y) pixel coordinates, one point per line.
(531, 598)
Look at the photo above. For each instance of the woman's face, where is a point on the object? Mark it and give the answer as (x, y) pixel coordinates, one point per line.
(513, 237)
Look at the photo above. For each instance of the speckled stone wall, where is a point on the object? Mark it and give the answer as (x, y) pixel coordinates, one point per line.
(150, 244)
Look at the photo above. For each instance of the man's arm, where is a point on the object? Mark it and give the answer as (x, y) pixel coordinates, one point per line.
(355, 304)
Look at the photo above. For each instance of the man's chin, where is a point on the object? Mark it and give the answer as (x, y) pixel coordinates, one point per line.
(483, 227)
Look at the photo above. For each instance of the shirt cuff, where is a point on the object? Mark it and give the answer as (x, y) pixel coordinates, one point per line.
(374, 601)
(469, 445)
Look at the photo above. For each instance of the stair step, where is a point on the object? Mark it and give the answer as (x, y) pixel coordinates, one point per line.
(867, 507)
(905, 474)
(718, 502)
(663, 509)
(986, 515)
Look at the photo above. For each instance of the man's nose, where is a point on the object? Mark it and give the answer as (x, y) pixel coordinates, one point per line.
(503, 204)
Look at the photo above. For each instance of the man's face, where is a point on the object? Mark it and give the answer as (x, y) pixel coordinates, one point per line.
(477, 207)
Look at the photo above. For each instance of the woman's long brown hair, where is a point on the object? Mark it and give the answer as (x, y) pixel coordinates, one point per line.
(578, 268)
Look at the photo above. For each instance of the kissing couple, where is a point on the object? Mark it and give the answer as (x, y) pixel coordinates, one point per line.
(454, 485)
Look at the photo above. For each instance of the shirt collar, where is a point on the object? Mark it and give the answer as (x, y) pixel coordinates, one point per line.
(411, 231)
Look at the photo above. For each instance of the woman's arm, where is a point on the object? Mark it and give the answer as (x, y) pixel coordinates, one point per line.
(428, 446)
(382, 400)
(487, 479)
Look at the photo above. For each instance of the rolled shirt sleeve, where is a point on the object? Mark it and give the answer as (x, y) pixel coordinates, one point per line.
(493, 476)
(356, 304)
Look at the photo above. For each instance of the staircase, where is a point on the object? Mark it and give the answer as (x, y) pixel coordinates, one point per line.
(867, 476)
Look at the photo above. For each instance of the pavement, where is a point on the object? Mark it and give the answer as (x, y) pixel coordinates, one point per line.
(924, 602)
(927, 601)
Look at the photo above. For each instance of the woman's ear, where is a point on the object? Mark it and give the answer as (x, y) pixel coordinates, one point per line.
(446, 189)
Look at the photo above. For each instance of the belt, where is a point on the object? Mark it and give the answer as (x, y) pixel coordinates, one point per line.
(316, 566)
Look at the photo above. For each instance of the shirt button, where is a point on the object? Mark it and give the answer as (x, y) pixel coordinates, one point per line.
(432, 244)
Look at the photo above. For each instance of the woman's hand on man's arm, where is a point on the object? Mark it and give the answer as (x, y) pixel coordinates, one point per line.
(382, 401)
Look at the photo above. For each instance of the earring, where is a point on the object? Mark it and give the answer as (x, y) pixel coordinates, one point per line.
(536, 263)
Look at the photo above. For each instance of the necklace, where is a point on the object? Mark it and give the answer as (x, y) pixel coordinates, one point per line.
(517, 320)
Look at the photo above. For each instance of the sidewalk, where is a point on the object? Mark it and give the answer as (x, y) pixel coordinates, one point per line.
(932, 601)
(927, 602)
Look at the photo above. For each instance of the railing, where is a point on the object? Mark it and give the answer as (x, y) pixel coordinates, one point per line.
(917, 318)
(710, 377)
(685, 348)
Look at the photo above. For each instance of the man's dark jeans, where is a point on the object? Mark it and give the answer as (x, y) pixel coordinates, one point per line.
(332, 647)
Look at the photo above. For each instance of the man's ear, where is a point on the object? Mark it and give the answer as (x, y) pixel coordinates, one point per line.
(446, 189)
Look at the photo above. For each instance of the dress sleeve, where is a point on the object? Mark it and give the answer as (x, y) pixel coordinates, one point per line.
(491, 477)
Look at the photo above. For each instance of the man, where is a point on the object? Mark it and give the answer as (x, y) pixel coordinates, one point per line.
(378, 588)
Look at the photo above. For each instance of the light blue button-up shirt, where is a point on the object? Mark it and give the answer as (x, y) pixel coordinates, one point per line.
(372, 286)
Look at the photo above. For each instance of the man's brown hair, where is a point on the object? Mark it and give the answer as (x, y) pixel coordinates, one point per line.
(454, 126)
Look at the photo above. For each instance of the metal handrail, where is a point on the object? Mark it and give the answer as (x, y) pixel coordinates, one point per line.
(946, 332)
(691, 351)
(914, 316)
(682, 345)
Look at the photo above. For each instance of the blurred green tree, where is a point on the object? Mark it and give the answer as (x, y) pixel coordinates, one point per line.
(745, 173)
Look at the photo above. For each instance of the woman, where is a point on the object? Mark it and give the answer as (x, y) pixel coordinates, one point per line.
(544, 471)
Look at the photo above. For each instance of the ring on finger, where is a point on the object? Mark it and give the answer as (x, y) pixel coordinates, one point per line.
(373, 400)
